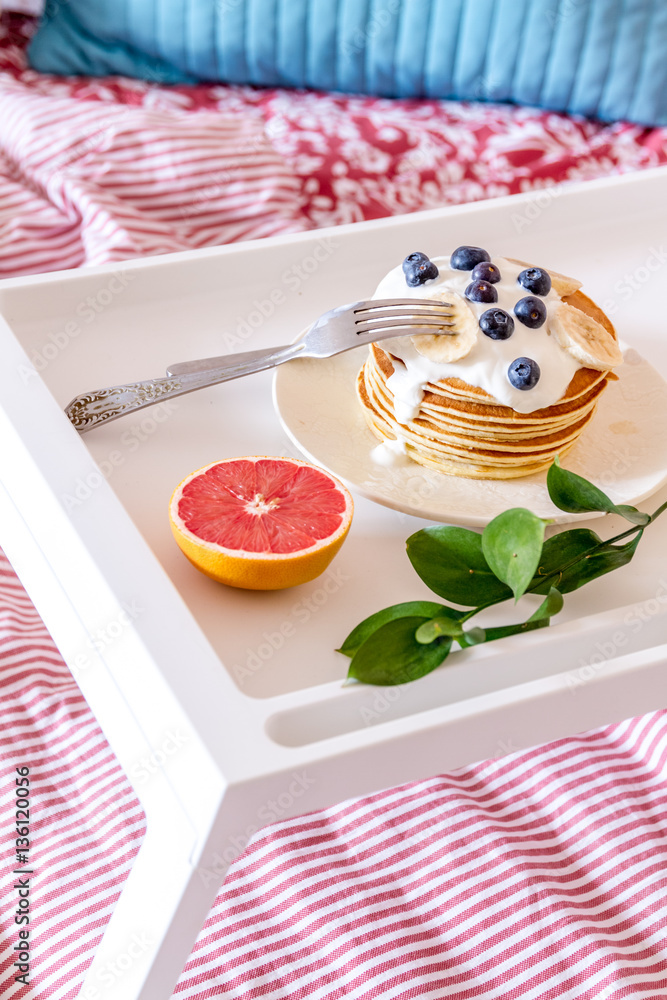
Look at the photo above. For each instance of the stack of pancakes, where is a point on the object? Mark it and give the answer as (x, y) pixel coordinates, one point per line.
(462, 431)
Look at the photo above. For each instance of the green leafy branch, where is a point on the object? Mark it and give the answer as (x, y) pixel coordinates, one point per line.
(509, 559)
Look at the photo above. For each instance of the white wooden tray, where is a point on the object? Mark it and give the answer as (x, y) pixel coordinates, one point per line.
(252, 679)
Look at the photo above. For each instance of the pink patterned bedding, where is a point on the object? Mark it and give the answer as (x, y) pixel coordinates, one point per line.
(538, 875)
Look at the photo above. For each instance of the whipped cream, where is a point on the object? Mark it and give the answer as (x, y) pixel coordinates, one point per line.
(391, 453)
(487, 363)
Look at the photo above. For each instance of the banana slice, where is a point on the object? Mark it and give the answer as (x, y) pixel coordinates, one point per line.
(444, 348)
(584, 338)
(563, 285)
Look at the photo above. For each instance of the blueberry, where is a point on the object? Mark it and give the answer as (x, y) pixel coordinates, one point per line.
(496, 324)
(413, 259)
(531, 311)
(535, 280)
(524, 373)
(465, 258)
(481, 291)
(419, 272)
(486, 271)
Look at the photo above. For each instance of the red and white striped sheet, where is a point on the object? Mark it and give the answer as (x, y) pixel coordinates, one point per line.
(540, 875)
(106, 184)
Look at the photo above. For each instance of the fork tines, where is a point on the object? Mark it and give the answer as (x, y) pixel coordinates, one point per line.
(382, 314)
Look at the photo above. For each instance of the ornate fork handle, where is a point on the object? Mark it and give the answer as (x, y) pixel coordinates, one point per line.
(101, 405)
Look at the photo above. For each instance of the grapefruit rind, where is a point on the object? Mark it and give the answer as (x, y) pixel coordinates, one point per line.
(258, 570)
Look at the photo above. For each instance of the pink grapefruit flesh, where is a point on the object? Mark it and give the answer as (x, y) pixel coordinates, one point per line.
(260, 523)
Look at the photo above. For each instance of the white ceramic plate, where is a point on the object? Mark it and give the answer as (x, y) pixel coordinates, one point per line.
(623, 451)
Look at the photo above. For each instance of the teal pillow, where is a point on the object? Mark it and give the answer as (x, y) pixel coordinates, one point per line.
(601, 58)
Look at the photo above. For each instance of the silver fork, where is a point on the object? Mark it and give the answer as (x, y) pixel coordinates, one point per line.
(338, 330)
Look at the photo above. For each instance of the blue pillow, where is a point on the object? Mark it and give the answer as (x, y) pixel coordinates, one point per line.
(601, 58)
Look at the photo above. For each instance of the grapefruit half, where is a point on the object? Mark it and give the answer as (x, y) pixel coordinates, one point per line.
(260, 523)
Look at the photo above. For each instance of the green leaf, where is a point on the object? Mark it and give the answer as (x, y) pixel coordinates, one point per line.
(580, 556)
(450, 561)
(576, 495)
(609, 557)
(512, 543)
(436, 627)
(558, 553)
(392, 655)
(551, 605)
(364, 629)
(633, 515)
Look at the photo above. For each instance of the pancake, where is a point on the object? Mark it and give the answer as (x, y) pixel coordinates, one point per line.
(462, 430)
